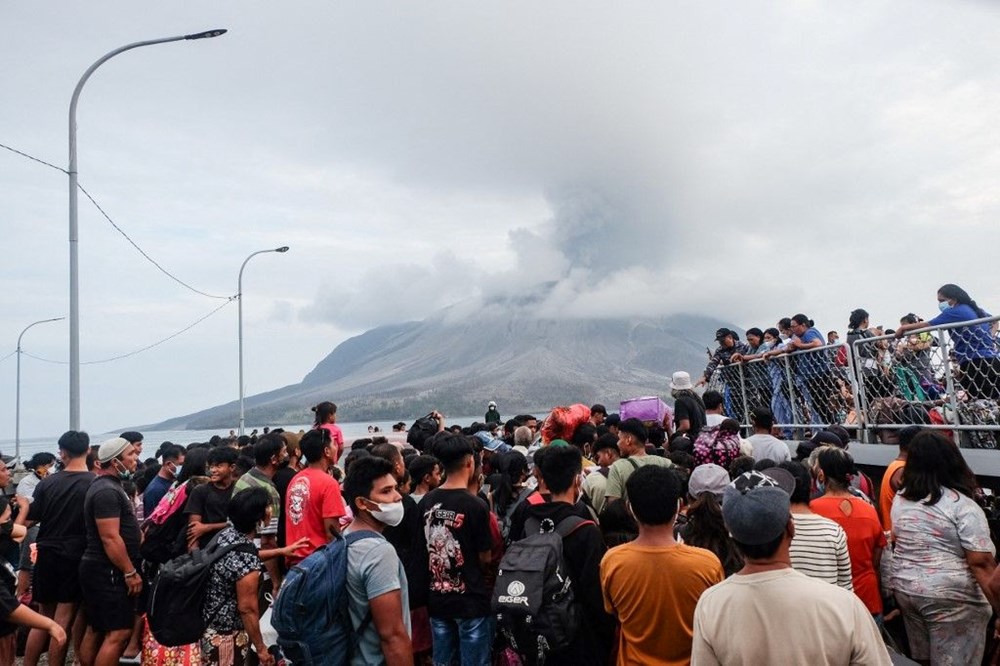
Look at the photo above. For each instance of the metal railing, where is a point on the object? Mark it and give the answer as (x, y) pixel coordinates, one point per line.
(804, 389)
(944, 377)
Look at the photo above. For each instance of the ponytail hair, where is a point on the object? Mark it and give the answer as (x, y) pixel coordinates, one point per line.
(324, 411)
(803, 320)
(961, 297)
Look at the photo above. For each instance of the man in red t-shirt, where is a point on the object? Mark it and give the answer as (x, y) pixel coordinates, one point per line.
(313, 503)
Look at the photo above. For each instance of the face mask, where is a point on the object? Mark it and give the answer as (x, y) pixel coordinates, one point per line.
(821, 487)
(123, 473)
(943, 305)
(390, 514)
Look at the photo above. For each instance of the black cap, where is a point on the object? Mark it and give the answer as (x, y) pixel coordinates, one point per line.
(723, 333)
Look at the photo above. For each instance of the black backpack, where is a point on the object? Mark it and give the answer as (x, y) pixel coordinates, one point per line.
(178, 593)
(162, 543)
(533, 597)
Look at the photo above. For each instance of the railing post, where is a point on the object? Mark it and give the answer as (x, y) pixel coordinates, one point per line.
(743, 393)
(858, 394)
(791, 388)
(949, 382)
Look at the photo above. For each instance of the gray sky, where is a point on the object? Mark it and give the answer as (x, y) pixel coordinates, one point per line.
(746, 160)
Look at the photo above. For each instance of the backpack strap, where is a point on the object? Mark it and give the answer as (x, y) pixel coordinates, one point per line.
(521, 496)
(565, 527)
(354, 537)
(634, 464)
(571, 524)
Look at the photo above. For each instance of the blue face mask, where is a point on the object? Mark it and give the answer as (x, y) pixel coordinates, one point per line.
(943, 305)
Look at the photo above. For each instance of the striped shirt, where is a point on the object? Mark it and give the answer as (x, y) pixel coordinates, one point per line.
(819, 550)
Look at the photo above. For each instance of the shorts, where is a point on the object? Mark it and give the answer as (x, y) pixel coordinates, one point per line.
(56, 577)
(105, 597)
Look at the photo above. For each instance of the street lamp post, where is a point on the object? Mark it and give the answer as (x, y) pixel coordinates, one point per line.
(239, 298)
(17, 393)
(74, 277)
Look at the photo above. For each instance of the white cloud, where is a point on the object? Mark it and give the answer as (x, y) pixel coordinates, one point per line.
(747, 161)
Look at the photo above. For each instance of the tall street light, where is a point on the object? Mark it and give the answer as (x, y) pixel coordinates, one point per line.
(239, 298)
(17, 399)
(74, 275)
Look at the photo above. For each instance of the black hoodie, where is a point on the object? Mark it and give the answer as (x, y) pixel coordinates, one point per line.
(583, 550)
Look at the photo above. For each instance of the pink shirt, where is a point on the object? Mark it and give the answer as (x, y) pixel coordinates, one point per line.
(336, 436)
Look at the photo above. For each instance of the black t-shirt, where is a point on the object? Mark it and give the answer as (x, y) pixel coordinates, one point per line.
(107, 499)
(282, 479)
(405, 538)
(211, 503)
(58, 506)
(456, 529)
(8, 604)
(686, 407)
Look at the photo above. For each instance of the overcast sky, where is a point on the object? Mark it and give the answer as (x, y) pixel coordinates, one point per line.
(746, 160)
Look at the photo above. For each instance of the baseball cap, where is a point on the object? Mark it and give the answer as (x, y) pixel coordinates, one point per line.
(708, 478)
(755, 509)
(782, 477)
(722, 333)
(826, 438)
(491, 443)
(111, 449)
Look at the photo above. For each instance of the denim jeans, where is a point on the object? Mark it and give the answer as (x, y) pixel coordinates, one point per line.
(465, 641)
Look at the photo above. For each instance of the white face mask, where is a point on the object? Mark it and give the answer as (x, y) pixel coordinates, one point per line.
(390, 514)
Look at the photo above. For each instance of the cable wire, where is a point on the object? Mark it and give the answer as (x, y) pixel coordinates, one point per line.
(32, 158)
(117, 228)
(8, 356)
(136, 351)
(143, 252)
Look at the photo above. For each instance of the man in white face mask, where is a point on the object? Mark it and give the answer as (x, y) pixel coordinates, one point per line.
(378, 597)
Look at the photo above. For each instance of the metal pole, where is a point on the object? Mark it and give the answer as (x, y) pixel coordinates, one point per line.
(74, 237)
(17, 393)
(857, 394)
(743, 393)
(950, 385)
(239, 304)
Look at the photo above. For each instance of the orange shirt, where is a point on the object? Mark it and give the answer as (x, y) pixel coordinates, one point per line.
(864, 534)
(653, 593)
(886, 494)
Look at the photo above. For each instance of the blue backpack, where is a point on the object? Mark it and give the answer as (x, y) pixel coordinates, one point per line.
(310, 612)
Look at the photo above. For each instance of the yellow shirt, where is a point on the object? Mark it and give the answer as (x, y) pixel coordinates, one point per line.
(653, 593)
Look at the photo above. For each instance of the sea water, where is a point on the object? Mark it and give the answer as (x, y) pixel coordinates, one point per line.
(153, 438)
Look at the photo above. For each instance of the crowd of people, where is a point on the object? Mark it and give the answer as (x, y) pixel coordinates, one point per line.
(893, 376)
(582, 538)
(504, 543)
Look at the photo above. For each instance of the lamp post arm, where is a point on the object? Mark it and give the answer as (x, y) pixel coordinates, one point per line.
(17, 394)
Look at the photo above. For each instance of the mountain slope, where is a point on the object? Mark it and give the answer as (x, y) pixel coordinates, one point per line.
(456, 363)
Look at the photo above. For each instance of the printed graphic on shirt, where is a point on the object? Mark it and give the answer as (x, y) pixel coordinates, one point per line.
(298, 497)
(444, 552)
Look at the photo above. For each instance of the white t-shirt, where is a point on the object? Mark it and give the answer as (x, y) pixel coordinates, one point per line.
(769, 447)
(783, 617)
(714, 419)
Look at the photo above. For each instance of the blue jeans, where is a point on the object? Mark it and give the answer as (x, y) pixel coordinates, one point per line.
(467, 641)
